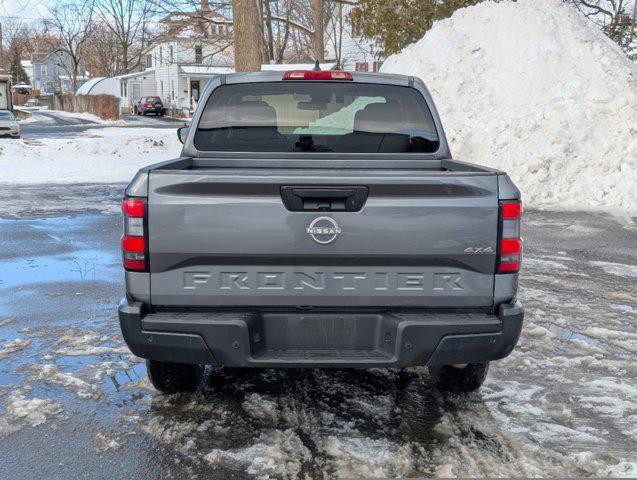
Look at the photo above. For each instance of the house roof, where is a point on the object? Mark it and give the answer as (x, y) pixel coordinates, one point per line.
(204, 70)
(191, 25)
(198, 15)
(148, 71)
(38, 57)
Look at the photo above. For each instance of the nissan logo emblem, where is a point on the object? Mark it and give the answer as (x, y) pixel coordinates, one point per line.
(323, 230)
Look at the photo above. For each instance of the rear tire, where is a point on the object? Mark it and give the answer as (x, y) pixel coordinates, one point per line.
(171, 377)
(451, 379)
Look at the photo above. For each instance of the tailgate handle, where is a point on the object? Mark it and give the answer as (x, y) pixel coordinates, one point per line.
(325, 199)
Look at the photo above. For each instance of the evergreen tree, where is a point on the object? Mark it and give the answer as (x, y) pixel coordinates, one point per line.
(18, 74)
(394, 24)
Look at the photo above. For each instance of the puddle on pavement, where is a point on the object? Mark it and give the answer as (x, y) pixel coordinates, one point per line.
(76, 266)
(578, 336)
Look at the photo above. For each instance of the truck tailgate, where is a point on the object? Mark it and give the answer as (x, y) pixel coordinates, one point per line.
(225, 238)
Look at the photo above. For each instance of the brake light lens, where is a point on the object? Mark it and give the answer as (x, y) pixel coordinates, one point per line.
(317, 75)
(510, 248)
(134, 239)
(133, 207)
(511, 211)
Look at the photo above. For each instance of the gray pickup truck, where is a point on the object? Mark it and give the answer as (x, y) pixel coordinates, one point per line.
(317, 219)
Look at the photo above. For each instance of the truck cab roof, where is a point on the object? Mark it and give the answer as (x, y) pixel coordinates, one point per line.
(360, 77)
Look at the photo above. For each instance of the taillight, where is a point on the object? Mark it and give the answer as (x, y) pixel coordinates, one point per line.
(510, 248)
(134, 238)
(317, 75)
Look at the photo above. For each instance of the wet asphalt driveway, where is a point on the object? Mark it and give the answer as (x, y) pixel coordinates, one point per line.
(74, 403)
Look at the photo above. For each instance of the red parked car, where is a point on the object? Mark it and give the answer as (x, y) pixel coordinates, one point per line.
(150, 105)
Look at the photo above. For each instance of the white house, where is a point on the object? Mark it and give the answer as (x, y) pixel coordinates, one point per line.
(135, 85)
(344, 41)
(194, 47)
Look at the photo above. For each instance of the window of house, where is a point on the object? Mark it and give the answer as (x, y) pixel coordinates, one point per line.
(43, 69)
(161, 54)
(171, 54)
(149, 60)
(172, 89)
(198, 54)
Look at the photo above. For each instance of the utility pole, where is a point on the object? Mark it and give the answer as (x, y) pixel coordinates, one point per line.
(1, 49)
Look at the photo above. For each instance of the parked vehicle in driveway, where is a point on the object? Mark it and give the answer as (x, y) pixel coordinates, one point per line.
(9, 126)
(150, 105)
(317, 219)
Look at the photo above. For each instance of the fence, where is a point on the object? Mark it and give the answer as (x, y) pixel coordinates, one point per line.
(104, 106)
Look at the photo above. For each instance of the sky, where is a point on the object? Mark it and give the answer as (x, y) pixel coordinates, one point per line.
(27, 9)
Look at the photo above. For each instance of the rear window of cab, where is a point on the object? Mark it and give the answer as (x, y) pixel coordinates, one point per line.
(311, 116)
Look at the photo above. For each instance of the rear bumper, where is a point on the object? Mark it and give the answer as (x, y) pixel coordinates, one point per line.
(293, 339)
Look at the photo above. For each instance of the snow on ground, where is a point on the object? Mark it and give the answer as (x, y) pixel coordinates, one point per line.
(21, 411)
(52, 374)
(36, 117)
(12, 346)
(105, 155)
(86, 116)
(534, 89)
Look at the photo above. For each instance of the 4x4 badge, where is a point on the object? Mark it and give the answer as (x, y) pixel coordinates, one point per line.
(323, 230)
(479, 250)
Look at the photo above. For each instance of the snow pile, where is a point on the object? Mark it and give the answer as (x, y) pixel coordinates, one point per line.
(534, 89)
(87, 116)
(106, 155)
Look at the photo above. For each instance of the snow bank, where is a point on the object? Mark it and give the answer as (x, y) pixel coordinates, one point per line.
(105, 155)
(534, 89)
(87, 116)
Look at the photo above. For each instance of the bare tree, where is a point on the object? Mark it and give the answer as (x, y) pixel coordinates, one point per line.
(71, 24)
(15, 41)
(318, 17)
(615, 18)
(247, 35)
(128, 22)
(102, 53)
(335, 26)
